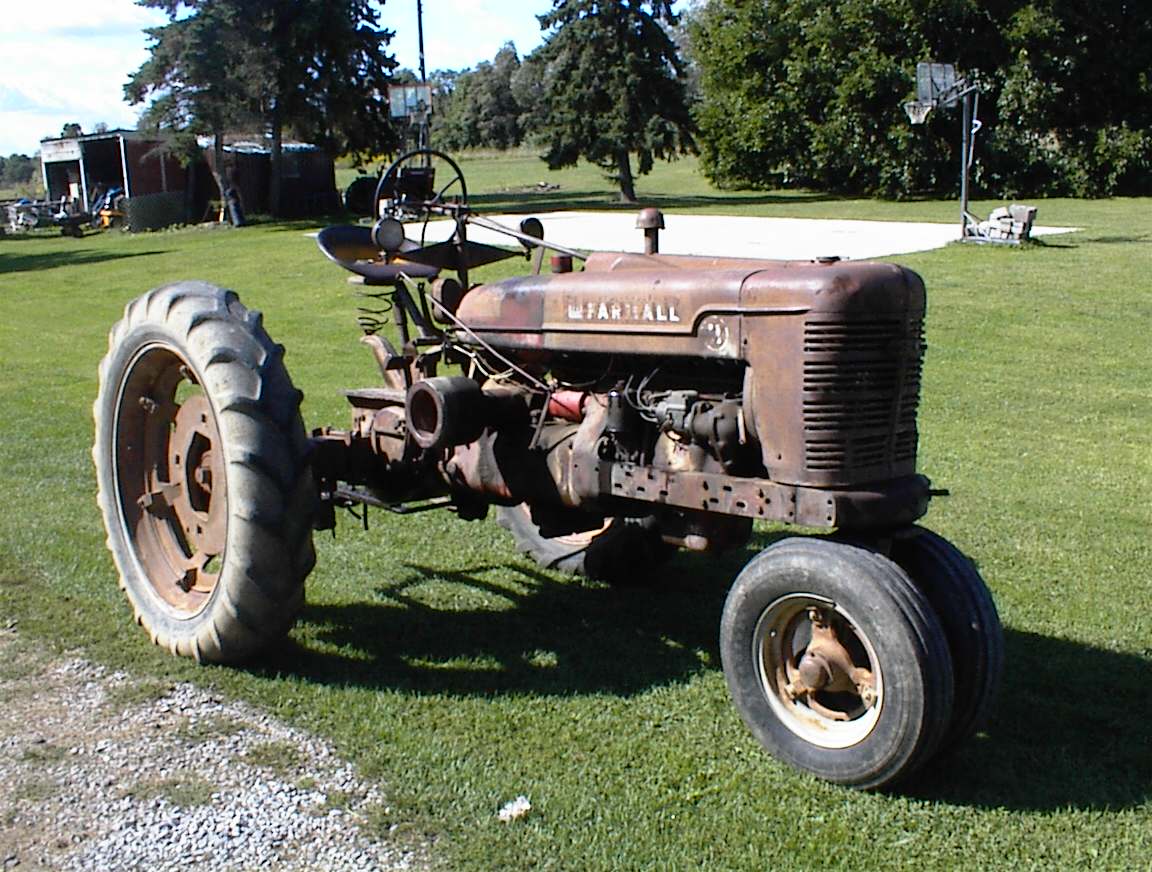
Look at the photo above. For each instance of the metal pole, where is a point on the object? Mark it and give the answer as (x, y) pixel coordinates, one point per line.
(420, 37)
(83, 175)
(422, 129)
(966, 133)
(124, 167)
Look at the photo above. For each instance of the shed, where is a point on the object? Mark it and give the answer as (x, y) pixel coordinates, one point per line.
(82, 168)
(307, 184)
(161, 191)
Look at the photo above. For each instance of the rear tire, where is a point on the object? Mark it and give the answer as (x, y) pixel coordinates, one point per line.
(882, 713)
(203, 483)
(623, 552)
(968, 615)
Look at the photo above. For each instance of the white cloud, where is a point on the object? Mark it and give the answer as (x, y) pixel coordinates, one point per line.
(69, 62)
(78, 16)
(68, 66)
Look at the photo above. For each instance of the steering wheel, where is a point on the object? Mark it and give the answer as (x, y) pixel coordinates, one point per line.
(409, 188)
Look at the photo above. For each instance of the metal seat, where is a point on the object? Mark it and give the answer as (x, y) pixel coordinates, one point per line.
(351, 246)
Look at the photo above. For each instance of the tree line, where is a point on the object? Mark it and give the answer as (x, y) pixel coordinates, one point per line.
(771, 93)
(807, 93)
(18, 170)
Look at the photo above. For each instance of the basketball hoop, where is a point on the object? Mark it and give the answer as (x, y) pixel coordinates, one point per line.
(409, 101)
(413, 103)
(939, 87)
(917, 111)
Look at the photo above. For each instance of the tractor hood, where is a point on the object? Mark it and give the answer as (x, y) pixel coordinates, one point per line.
(658, 303)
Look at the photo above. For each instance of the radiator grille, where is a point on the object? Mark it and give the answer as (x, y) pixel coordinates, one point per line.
(861, 393)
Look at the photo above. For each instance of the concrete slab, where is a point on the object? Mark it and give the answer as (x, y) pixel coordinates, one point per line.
(732, 236)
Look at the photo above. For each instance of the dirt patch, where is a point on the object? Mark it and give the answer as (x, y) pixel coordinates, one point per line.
(102, 770)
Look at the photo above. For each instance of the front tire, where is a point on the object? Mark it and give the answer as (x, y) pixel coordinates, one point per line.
(971, 624)
(836, 662)
(200, 456)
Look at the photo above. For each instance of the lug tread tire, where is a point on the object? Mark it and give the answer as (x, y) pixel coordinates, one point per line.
(269, 551)
(915, 663)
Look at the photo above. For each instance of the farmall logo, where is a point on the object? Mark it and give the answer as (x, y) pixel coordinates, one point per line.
(621, 310)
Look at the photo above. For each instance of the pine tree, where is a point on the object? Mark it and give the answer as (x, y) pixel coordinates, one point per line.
(330, 76)
(316, 68)
(614, 86)
(202, 77)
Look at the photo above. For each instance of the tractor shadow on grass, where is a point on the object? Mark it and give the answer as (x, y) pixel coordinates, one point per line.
(520, 630)
(1072, 729)
(12, 263)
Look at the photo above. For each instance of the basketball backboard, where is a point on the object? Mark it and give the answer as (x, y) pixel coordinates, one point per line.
(934, 81)
(409, 101)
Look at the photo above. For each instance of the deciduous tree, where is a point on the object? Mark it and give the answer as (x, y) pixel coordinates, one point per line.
(18, 170)
(482, 108)
(203, 76)
(807, 93)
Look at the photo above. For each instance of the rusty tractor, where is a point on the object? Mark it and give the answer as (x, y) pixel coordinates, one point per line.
(610, 414)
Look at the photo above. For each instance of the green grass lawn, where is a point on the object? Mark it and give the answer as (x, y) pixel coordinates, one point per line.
(461, 675)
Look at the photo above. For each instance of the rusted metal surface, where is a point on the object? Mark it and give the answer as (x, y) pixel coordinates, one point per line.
(891, 503)
(833, 350)
(744, 388)
(651, 221)
(173, 483)
(819, 672)
(828, 666)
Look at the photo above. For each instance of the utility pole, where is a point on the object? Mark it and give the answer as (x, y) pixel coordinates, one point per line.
(422, 134)
(420, 37)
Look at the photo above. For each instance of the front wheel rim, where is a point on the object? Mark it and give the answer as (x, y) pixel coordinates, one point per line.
(794, 634)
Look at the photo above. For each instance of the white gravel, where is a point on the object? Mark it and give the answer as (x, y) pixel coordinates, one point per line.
(101, 771)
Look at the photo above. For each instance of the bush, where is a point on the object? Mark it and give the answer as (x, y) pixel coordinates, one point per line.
(810, 94)
(155, 211)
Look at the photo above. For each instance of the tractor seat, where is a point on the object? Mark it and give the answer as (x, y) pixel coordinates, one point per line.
(351, 246)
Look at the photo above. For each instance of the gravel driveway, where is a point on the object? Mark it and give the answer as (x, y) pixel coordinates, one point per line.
(101, 770)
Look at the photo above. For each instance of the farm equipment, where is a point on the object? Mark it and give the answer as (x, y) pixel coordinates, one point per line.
(611, 415)
(109, 209)
(24, 215)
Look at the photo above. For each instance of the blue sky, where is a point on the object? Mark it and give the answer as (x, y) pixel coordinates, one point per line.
(69, 61)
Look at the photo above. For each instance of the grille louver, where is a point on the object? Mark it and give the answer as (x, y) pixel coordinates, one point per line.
(861, 393)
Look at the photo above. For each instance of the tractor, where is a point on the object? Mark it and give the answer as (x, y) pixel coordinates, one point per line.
(610, 409)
